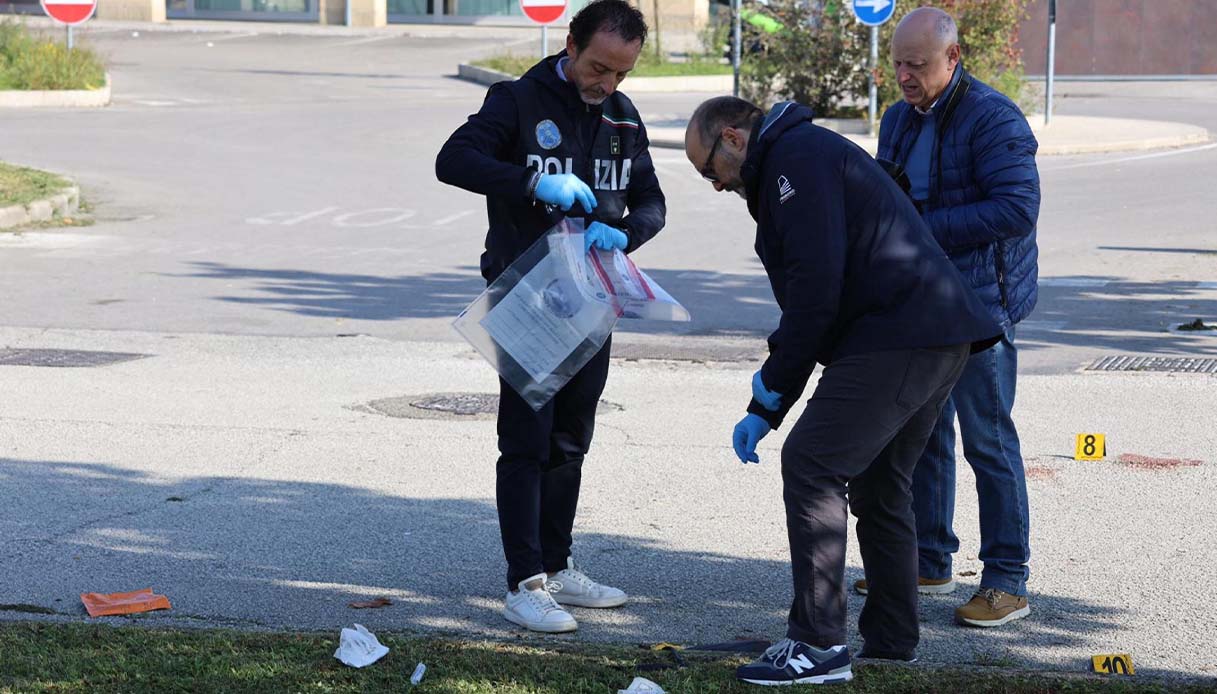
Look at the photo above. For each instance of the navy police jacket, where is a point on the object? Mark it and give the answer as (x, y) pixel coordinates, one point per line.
(852, 265)
(984, 190)
(539, 123)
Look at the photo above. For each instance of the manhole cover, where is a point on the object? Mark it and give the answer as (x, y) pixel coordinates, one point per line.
(464, 404)
(63, 357)
(1164, 364)
(451, 406)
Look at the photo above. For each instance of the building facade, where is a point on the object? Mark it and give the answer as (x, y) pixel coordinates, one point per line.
(680, 15)
(1123, 38)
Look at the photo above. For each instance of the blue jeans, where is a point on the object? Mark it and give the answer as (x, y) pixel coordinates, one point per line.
(983, 398)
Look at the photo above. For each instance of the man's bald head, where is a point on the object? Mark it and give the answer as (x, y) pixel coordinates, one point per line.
(930, 23)
(925, 51)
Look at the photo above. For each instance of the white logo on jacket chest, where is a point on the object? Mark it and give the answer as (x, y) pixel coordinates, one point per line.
(785, 190)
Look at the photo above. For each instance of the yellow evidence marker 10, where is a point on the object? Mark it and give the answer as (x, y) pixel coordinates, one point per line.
(1113, 664)
(1090, 447)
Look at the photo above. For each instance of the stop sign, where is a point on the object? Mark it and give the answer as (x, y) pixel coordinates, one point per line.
(69, 11)
(543, 11)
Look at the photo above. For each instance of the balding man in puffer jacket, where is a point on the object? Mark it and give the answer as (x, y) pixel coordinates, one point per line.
(969, 157)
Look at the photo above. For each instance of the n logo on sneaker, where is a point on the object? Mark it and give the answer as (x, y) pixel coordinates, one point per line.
(801, 663)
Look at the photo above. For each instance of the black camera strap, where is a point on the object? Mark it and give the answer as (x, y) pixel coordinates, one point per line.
(957, 95)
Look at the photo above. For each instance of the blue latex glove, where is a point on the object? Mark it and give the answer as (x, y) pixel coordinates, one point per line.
(564, 190)
(767, 398)
(604, 237)
(747, 434)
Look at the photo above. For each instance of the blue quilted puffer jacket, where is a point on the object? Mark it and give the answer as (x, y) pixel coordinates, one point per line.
(984, 192)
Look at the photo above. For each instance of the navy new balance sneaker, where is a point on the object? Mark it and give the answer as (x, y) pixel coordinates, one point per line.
(794, 662)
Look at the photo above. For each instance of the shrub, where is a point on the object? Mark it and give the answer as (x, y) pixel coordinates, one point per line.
(27, 62)
(816, 57)
(820, 54)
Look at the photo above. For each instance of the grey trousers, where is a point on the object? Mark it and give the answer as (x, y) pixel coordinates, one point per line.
(863, 431)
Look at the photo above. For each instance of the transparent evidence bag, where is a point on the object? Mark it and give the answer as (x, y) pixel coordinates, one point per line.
(553, 309)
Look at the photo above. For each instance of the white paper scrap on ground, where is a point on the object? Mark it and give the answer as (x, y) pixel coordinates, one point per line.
(359, 647)
(642, 685)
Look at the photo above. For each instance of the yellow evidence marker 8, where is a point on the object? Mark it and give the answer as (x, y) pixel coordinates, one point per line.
(1090, 447)
(1113, 664)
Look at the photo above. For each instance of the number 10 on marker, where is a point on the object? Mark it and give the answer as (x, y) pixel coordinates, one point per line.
(1090, 447)
(1115, 664)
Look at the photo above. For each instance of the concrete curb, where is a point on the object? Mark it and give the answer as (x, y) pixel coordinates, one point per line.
(57, 98)
(717, 84)
(1067, 135)
(692, 83)
(482, 75)
(63, 204)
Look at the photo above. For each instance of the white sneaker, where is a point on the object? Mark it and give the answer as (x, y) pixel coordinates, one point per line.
(536, 610)
(570, 586)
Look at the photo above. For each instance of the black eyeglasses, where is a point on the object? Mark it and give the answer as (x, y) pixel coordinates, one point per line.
(711, 177)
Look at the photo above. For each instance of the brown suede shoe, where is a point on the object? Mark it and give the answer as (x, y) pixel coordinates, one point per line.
(925, 586)
(991, 607)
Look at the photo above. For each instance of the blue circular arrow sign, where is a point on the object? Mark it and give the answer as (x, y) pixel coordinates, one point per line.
(874, 12)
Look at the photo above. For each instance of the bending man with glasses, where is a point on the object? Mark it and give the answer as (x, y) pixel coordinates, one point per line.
(866, 292)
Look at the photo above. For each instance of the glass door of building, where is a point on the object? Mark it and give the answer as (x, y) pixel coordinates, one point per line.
(259, 10)
(467, 11)
(20, 7)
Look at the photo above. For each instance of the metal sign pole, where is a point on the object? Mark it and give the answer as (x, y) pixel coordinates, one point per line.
(1050, 67)
(544, 41)
(874, 88)
(736, 33)
(70, 41)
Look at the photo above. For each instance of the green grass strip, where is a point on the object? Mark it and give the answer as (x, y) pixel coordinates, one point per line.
(99, 659)
(21, 186)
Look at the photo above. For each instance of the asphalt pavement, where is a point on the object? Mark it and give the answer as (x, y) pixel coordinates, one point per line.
(282, 184)
(259, 194)
(256, 483)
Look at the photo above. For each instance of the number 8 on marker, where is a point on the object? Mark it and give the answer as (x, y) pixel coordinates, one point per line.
(1090, 447)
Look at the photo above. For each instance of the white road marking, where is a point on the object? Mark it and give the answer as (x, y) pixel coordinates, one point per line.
(1073, 282)
(451, 218)
(360, 42)
(229, 37)
(1139, 157)
(1044, 325)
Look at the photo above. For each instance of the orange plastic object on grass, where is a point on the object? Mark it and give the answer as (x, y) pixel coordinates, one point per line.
(103, 604)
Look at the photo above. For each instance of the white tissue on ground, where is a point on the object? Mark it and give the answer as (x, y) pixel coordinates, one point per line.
(359, 647)
(642, 685)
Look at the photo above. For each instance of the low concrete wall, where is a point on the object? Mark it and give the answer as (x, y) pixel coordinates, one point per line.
(132, 10)
(56, 98)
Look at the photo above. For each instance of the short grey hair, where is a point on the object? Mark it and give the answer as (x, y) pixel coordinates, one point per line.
(723, 112)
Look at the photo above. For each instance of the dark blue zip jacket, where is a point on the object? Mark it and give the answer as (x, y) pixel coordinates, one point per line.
(538, 122)
(852, 265)
(984, 190)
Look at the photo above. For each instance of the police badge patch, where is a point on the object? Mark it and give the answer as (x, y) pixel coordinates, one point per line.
(547, 134)
(615, 145)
